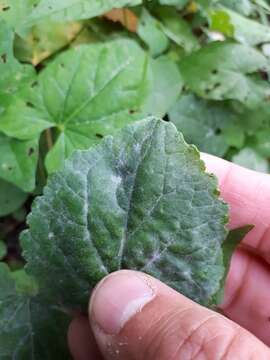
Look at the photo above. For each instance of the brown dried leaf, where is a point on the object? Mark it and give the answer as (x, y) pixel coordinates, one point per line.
(124, 16)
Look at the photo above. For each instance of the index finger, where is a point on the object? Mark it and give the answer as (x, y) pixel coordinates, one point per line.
(248, 195)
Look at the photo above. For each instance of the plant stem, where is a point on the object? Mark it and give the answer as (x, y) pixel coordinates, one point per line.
(49, 138)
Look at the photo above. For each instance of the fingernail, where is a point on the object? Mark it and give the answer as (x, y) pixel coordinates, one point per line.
(118, 298)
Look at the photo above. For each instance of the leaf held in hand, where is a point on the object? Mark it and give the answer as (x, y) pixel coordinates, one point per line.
(139, 200)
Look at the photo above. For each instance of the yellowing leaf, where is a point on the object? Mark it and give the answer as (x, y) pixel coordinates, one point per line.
(45, 39)
(192, 8)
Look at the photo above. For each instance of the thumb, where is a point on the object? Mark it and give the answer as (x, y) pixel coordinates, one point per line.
(134, 316)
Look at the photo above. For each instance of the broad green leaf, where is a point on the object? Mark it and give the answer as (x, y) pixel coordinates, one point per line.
(89, 92)
(251, 159)
(138, 200)
(29, 328)
(177, 29)
(257, 119)
(234, 134)
(12, 74)
(166, 86)
(220, 21)
(22, 120)
(242, 29)
(11, 198)
(224, 70)
(150, 31)
(15, 12)
(74, 94)
(69, 10)
(18, 161)
(202, 123)
(3, 247)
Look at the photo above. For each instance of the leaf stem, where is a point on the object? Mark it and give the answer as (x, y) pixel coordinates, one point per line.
(41, 171)
(49, 140)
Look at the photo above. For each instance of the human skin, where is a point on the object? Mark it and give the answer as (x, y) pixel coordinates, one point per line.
(133, 316)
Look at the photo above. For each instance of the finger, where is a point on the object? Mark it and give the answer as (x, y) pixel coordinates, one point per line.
(134, 316)
(247, 291)
(247, 294)
(248, 194)
(81, 340)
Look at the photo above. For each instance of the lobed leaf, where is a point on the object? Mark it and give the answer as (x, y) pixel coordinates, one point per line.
(74, 96)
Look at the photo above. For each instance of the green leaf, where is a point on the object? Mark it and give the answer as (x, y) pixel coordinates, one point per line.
(11, 198)
(3, 247)
(139, 200)
(203, 123)
(150, 31)
(22, 120)
(244, 30)
(244, 7)
(234, 238)
(15, 12)
(251, 159)
(13, 74)
(178, 3)
(166, 86)
(205, 4)
(75, 98)
(234, 134)
(262, 145)
(220, 21)
(68, 10)
(62, 149)
(224, 70)
(177, 29)
(29, 328)
(18, 161)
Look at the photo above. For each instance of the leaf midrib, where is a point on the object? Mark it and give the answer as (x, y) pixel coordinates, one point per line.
(140, 162)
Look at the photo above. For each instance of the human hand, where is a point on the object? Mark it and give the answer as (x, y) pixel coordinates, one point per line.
(133, 316)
